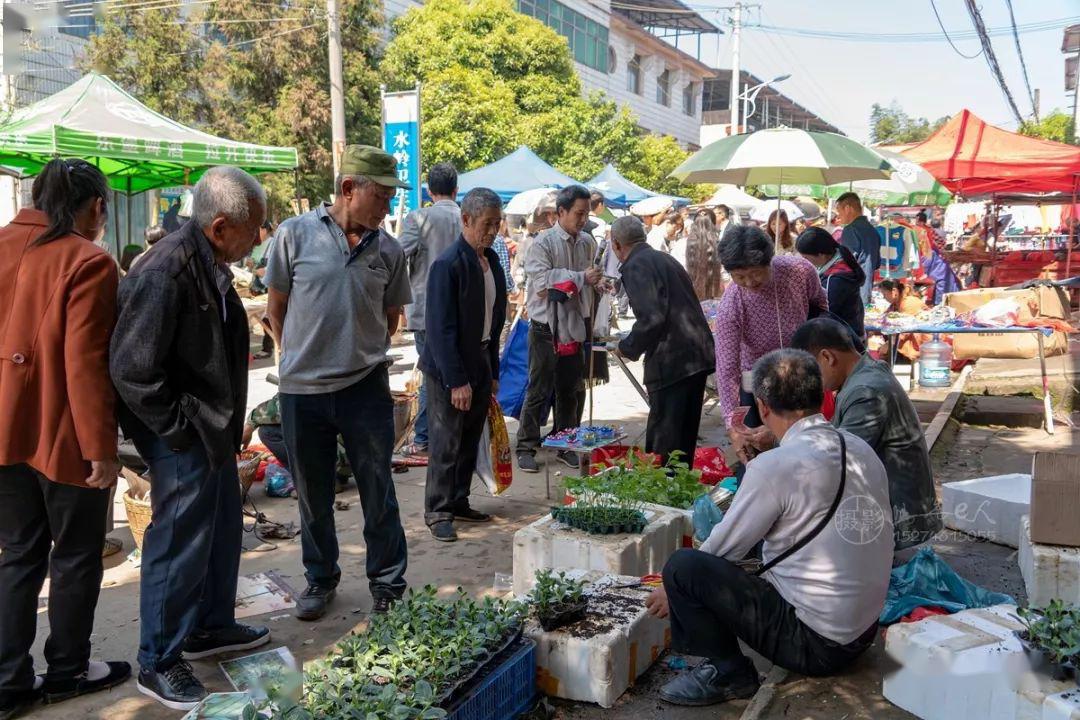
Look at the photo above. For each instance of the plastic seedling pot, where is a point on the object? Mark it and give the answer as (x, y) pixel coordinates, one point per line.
(563, 615)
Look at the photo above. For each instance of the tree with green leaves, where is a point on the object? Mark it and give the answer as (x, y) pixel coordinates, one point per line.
(493, 79)
(250, 71)
(890, 125)
(1056, 125)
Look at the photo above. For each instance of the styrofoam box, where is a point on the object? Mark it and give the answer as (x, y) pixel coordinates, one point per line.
(549, 544)
(1049, 571)
(989, 508)
(970, 666)
(599, 669)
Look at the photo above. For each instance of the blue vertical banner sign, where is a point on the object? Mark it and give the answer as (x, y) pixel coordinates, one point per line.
(401, 138)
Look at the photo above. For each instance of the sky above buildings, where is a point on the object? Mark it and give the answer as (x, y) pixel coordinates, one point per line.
(839, 79)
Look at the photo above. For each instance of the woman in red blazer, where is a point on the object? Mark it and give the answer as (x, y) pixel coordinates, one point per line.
(57, 433)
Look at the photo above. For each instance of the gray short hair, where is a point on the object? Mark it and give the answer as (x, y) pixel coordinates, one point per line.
(226, 191)
(359, 181)
(628, 230)
(788, 381)
(478, 200)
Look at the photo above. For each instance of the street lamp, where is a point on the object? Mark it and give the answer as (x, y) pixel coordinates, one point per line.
(749, 96)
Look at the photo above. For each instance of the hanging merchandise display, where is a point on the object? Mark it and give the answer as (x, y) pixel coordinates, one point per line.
(899, 250)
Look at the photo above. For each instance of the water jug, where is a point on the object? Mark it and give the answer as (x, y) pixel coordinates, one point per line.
(935, 361)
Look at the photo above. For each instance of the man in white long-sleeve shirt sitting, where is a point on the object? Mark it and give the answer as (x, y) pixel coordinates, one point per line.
(814, 610)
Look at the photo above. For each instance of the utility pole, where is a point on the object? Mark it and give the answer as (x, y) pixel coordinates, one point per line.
(736, 74)
(337, 85)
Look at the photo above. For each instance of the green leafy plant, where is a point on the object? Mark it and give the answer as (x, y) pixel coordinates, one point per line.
(1053, 631)
(557, 599)
(409, 659)
(636, 479)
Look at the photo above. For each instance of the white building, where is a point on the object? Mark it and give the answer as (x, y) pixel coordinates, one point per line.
(616, 51)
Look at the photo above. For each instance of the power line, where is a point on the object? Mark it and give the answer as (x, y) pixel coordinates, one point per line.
(251, 41)
(910, 38)
(991, 59)
(946, 34)
(1023, 65)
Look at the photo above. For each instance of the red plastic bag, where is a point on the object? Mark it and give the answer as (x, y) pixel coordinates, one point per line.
(710, 461)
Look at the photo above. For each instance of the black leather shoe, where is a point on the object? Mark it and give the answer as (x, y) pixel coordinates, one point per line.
(312, 604)
(470, 515)
(443, 531)
(383, 604)
(176, 688)
(55, 690)
(201, 645)
(568, 458)
(527, 463)
(13, 705)
(704, 685)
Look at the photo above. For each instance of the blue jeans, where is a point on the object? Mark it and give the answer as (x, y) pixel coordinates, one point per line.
(363, 414)
(191, 550)
(420, 431)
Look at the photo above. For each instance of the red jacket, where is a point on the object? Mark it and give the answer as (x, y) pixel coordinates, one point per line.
(57, 311)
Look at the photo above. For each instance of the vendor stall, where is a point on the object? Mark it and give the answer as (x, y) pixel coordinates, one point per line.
(515, 173)
(136, 148)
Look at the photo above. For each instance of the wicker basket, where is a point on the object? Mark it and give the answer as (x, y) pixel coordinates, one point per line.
(404, 412)
(247, 466)
(138, 516)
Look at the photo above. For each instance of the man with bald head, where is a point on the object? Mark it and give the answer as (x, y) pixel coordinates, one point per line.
(671, 332)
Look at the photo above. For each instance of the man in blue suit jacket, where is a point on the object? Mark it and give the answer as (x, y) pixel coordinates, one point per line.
(466, 310)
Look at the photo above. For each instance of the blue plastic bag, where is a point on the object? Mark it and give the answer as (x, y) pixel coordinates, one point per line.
(705, 516)
(278, 481)
(514, 370)
(927, 580)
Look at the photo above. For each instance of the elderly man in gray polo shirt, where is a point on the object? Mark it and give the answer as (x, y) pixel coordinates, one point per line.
(425, 234)
(337, 284)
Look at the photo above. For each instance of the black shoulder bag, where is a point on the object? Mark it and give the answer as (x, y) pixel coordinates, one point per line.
(824, 521)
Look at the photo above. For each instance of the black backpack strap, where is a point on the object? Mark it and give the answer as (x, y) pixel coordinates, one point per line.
(824, 521)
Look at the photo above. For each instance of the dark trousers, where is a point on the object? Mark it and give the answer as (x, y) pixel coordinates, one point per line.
(273, 437)
(191, 549)
(548, 372)
(54, 529)
(675, 416)
(714, 604)
(455, 441)
(363, 414)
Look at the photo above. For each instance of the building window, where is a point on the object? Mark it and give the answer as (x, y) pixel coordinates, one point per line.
(633, 75)
(663, 88)
(588, 39)
(82, 26)
(689, 99)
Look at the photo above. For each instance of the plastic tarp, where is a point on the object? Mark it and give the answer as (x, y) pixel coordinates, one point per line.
(739, 201)
(619, 192)
(927, 581)
(137, 149)
(515, 173)
(971, 157)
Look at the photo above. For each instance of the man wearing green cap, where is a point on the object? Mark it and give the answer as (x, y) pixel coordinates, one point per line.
(337, 284)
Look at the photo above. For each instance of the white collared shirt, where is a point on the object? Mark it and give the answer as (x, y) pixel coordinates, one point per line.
(838, 581)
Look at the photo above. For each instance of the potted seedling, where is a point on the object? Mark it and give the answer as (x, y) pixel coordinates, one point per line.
(1051, 638)
(558, 600)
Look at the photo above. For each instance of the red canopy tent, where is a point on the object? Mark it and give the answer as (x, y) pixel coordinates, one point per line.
(971, 157)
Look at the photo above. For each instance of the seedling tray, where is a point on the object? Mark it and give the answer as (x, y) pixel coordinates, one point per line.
(504, 688)
(570, 516)
(455, 691)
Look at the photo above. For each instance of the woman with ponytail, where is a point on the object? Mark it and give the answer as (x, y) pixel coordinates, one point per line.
(58, 434)
(840, 273)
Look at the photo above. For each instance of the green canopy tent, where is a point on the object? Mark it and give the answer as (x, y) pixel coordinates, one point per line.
(137, 149)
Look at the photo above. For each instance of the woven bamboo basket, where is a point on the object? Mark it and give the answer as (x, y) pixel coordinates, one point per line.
(136, 504)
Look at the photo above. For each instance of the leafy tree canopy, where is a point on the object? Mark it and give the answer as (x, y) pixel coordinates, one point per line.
(890, 125)
(1056, 126)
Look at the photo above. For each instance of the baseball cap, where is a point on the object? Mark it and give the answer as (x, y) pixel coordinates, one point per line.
(371, 162)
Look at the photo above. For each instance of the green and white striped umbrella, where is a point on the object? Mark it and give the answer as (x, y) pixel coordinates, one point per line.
(909, 185)
(783, 156)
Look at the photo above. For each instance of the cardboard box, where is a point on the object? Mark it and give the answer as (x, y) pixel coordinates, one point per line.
(1045, 302)
(1055, 499)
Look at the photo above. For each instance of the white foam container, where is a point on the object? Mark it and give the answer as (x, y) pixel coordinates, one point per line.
(989, 508)
(1049, 571)
(970, 666)
(601, 668)
(546, 544)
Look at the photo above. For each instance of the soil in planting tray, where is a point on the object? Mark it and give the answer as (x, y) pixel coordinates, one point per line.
(629, 522)
(461, 690)
(606, 611)
(561, 615)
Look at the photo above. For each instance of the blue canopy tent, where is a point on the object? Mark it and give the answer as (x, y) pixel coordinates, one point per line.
(519, 171)
(612, 184)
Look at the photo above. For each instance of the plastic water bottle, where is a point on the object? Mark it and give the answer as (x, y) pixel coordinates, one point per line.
(935, 363)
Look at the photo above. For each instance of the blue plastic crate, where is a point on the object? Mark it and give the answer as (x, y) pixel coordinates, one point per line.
(507, 692)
